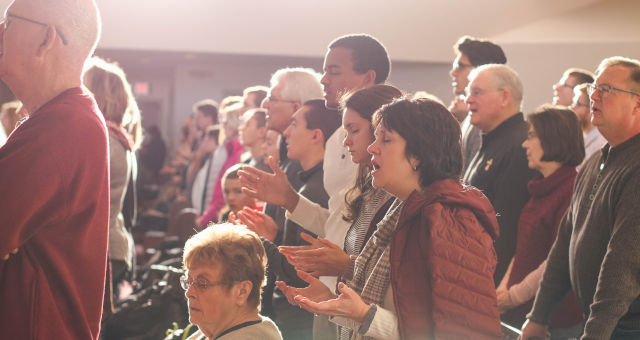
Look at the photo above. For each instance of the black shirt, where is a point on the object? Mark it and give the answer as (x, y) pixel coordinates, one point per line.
(500, 169)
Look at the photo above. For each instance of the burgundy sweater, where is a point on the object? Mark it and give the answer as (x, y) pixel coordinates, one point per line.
(537, 230)
(54, 184)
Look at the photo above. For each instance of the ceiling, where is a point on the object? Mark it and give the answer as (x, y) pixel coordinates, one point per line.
(413, 30)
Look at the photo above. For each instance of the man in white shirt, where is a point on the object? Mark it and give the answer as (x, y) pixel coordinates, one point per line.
(352, 62)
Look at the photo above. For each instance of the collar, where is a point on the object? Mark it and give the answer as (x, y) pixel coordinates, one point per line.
(504, 128)
(451, 192)
(237, 327)
(282, 150)
(304, 175)
(609, 152)
(68, 92)
(542, 186)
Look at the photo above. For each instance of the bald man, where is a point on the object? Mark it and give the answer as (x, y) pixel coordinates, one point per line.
(53, 176)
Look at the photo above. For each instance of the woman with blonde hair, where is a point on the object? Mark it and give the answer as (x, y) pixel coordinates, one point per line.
(225, 266)
(113, 95)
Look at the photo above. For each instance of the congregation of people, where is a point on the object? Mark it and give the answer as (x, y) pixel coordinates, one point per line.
(328, 205)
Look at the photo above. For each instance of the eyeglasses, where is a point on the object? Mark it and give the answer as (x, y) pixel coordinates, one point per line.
(271, 99)
(475, 92)
(9, 15)
(605, 90)
(565, 85)
(199, 283)
(460, 66)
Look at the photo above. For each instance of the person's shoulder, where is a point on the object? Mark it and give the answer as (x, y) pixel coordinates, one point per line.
(264, 330)
(268, 330)
(73, 112)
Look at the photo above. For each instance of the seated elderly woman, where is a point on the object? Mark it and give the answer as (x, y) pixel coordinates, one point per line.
(427, 271)
(225, 267)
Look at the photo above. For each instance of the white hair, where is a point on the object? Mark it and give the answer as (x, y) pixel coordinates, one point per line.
(503, 77)
(298, 84)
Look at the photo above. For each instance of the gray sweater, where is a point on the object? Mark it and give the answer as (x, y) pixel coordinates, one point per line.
(597, 252)
(120, 163)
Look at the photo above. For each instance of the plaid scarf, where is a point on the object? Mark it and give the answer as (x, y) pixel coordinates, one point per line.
(372, 269)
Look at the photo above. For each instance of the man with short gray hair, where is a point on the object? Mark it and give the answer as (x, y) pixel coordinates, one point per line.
(54, 176)
(500, 168)
(597, 252)
(289, 89)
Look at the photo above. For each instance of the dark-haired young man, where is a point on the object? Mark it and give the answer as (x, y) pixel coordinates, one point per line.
(306, 136)
(470, 53)
(352, 62)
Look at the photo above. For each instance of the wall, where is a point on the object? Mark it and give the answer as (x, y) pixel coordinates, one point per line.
(541, 65)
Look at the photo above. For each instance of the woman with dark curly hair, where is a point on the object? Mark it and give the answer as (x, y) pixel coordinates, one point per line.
(427, 271)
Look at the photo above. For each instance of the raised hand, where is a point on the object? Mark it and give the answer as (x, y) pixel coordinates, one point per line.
(321, 258)
(261, 224)
(272, 188)
(348, 304)
(316, 291)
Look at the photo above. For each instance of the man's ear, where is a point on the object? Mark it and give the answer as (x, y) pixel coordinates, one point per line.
(318, 136)
(370, 78)
(505, 97)
(48, 42)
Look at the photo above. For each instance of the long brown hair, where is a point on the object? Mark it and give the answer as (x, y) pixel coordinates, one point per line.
(109, 85)
(365, 102)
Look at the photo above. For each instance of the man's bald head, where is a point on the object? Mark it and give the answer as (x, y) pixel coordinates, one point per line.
(78, 21)
(45, 45)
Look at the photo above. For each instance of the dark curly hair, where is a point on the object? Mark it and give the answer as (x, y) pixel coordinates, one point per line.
(432, 134)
